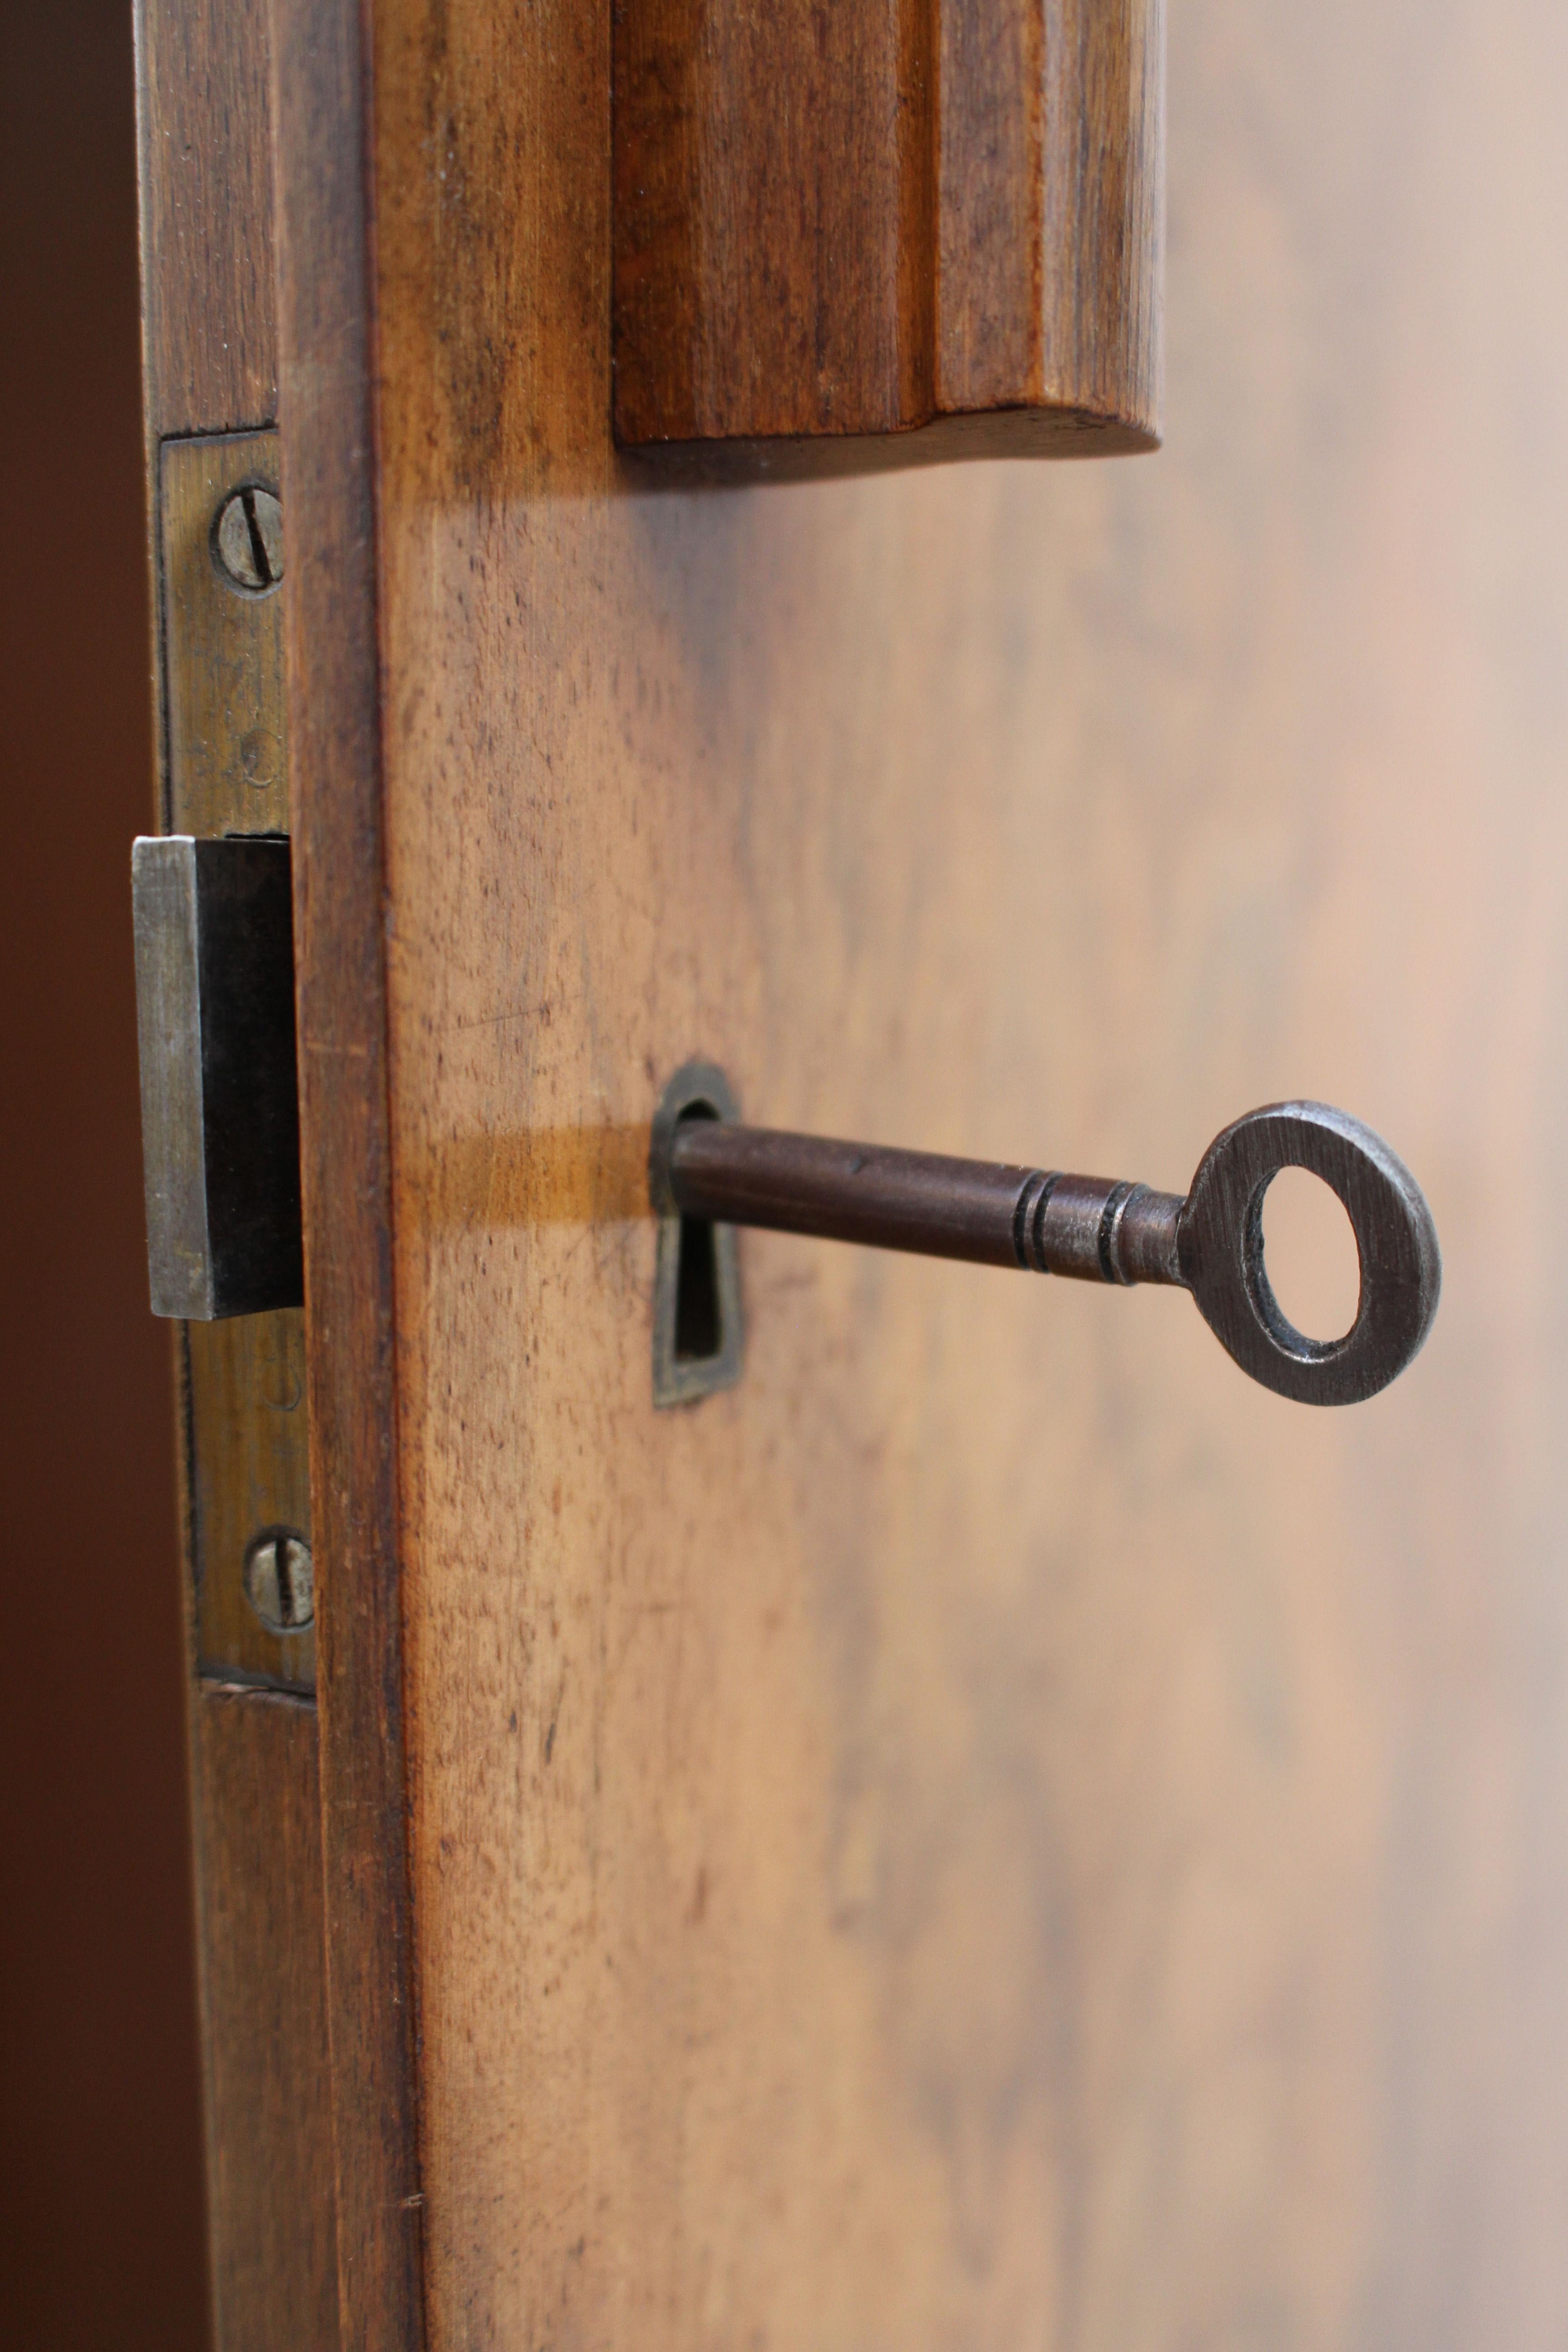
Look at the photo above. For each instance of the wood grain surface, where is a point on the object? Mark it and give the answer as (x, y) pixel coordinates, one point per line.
(208, 304)
(269, 2091)
(871, 236)
(995, 1831)
(334, 686)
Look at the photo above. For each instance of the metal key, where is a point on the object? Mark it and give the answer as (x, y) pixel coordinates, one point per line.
(1209, 1241)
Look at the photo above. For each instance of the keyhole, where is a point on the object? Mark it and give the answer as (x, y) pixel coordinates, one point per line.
(698, 1330)
(1310, 1252)
(696, 1298)
(698, 1319)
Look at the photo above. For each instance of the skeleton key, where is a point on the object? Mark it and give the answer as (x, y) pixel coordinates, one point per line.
(706, 1165)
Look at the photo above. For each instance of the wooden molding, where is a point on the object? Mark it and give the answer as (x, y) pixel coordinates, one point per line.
(876, 235)
(327, 414)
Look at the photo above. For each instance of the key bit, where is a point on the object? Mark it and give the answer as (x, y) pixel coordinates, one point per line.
(1092, 1229)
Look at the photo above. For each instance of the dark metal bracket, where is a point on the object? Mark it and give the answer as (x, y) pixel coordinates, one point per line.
(220, 1104)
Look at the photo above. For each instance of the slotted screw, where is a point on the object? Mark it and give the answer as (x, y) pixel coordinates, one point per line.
(279, 1579)
(248, 539)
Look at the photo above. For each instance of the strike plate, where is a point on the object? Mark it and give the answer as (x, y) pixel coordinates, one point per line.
(224, 732)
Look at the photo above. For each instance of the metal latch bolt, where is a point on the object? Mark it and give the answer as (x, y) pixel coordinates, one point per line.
(220, 1116)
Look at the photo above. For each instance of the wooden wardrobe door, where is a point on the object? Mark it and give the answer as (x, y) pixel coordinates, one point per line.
(992, 1830)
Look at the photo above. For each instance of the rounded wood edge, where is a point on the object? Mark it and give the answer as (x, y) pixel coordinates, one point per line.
(1053, 433)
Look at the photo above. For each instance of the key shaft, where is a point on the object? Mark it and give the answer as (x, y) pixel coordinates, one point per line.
(1090, 1228)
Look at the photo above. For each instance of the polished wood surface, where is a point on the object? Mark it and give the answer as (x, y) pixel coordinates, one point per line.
(868, 236)
(332, 627)
(993, 1830)
(209, 301)
(268, 2089)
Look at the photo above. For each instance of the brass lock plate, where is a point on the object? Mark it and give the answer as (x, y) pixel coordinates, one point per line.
(225, 770)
